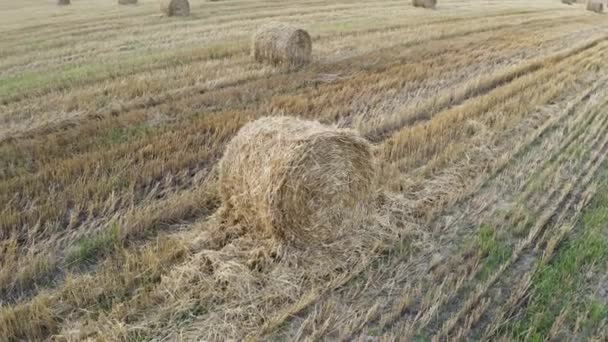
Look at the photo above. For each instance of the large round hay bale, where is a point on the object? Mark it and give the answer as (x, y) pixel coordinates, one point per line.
(279, 43)
(175, 8)
(425, 3)
(595, 6)
(298, 181)
(127, 2)
(63, 2)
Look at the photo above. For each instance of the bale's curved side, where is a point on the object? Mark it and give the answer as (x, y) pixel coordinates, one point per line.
(595, 6)
(425, 3)
(175, 8)
(278, 43)
(296, 180)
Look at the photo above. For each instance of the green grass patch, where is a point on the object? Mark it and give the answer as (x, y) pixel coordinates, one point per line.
(119, 135)
(494, 250)
(89, 248)
(560, 286)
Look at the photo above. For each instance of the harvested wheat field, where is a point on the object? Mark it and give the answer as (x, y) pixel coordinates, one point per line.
(429, 175)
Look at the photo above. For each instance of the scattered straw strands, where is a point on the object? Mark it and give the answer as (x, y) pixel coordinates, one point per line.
(279, 43)
(425, 3)
(297, 181)
(175, 8)
(595, 6)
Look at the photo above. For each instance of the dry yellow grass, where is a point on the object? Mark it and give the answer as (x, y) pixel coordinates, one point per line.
(487, 122)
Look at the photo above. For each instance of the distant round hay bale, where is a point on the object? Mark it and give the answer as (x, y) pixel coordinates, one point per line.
(298, 181)
(127, 2)
(282, 44)
(568, 2)
(425, 3)
(175, 8)
(63, 2)
(595, 6)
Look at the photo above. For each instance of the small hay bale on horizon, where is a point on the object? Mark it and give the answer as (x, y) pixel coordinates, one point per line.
(568, 2)
(425, 3)
(297, 181)
(595, 6)
(282, 44)
(175, 8)
(63, 2)
(127, 2)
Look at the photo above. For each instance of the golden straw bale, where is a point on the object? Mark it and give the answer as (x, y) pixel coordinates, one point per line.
(425, 3)
(175, 8)
(298, 181)
(595, 6)
(279, 43)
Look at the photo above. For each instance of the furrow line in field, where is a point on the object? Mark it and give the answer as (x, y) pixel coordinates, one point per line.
(567, 194)
(557, 192)
(509, 164)
(482, 86)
